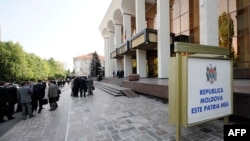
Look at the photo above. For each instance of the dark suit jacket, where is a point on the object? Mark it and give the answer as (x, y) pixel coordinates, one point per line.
(12, 94)
(83, 84)
(3, 92)
(39, 90)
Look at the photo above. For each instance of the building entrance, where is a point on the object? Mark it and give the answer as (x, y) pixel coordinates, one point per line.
(152, 61)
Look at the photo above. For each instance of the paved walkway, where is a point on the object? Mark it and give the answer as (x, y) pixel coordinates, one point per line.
(103, 117)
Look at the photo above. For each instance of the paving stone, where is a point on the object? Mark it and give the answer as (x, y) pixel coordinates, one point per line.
(161, 132)
(116, 137)
(114, 131)
(99, 137)
(101, 128)
(129, 121)
(110, 128)
(128, 129)
(117, 126)
(144, 137)
(154, 135)
(126, 134)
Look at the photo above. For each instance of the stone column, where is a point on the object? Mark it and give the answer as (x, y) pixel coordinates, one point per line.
(163, 35)
(127, 65)
(140, 25)
(118, 41)
(127, 35)
(108, 72)
(111, 48)
(209, 22)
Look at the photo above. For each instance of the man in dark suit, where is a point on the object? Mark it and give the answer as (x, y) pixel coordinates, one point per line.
(11, 97)
(76, 86)
(38, 93)
(3, 92)
(83, 87)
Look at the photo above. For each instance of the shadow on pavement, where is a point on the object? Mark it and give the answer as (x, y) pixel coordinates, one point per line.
(8, 124)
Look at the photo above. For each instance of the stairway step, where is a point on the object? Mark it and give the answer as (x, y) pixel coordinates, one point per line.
(109, 89)
(110, 92)
(115, 89)
(129, 93)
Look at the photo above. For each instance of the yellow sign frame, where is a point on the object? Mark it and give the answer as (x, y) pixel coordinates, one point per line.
(178, 80)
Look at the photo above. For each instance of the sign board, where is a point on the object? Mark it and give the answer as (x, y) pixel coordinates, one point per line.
(209, 89)
(200, 85)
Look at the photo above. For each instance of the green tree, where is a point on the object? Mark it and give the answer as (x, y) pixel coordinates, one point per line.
(56, 69)
(38, 68)
(95, 65)
(18, 65)
(46, 69)
(12, 61)
(226, 31)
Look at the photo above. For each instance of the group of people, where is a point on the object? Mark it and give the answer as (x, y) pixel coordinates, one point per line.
(118, 74)
(61, 82)
(82, 84)
(28, 96)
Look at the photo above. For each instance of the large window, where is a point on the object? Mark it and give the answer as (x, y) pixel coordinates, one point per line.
(242, 33)
(185, 19)
(239, 11)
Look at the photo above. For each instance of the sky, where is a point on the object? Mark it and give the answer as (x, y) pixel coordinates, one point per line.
(61, 29)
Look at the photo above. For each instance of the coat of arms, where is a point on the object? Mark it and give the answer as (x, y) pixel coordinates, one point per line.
(211, 74)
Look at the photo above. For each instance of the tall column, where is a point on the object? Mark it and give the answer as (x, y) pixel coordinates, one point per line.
(140, 25)
(163, 35)
(108, 72)
(127, 31)
(111, 48)
(209, 22)
(127, 65)
(118, 41)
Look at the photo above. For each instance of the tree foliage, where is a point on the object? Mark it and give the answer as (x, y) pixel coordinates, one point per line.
(16, 64)
(226, 31)
(95, 65)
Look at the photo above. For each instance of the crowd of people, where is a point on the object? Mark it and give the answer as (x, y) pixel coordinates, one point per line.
(29, 96)
(82, 84)
(118, 74)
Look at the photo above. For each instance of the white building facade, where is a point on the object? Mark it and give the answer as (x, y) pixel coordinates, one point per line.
(139, 34)
(82, 64)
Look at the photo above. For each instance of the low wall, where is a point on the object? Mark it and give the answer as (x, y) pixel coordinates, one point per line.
(160, 91)
(241, 73)
(241, 104)
(133, 77)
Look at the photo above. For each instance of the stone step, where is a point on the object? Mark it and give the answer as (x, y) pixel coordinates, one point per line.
(109, 90)
(129, 93)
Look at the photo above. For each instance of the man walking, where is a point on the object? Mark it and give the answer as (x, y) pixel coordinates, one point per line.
(38, 93)
(83, 86)
(76, 86)
(11, 100)
(3, 100)
(53, 95)
(90, 86)
(24, 97)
